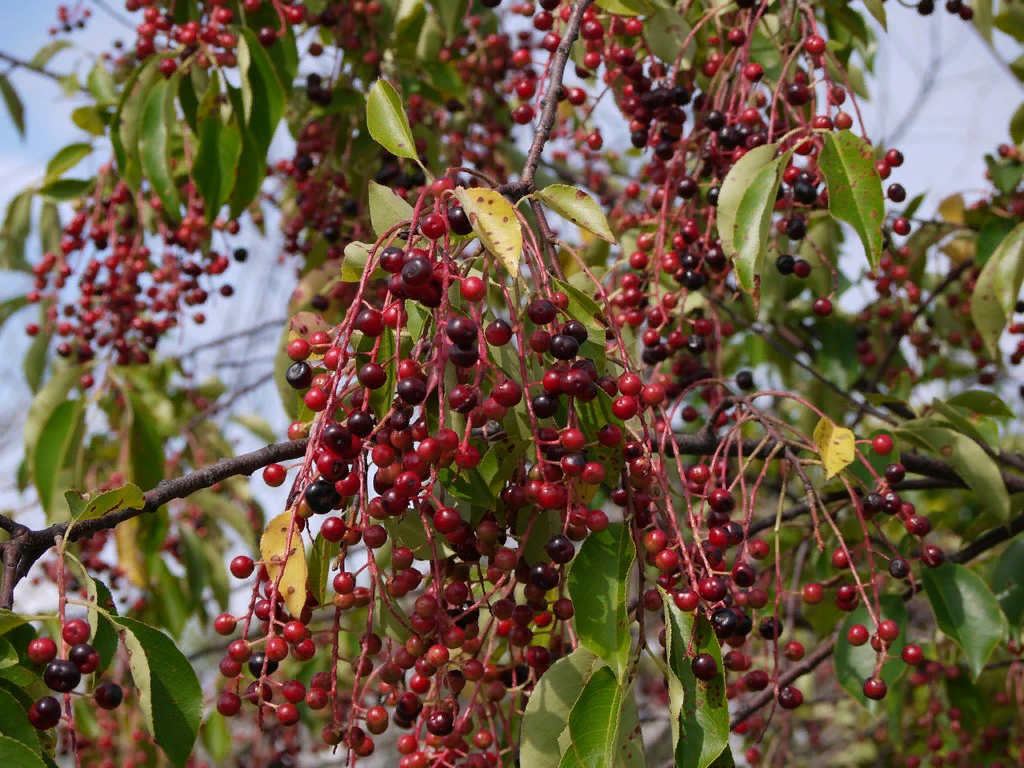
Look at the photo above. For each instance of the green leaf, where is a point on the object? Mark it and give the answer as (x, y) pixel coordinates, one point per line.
(216, 162)
(48, 51)
(991, 234)
(547, 710)
(62, 190)
(974, 466)
(1011, 21)
(158, 119)
(387, 122)
(1007, 584)
(263, 96)
(14, 722)
(699, 714)
(1017, 125)
(45, 403)
(91, 119)
(146, 443)
(169, 693)
(257, 425)
(13, 103)
(597, 585)
(855, 664)
(101, 84)
(9, 306)
(980, 401)
(1005, 175)
(996, 289)
(65, 159)
(746, 202)
(217, 738)
(56, 443)
(128, 496)
(17, 223)
(626, 7)
(318, 566)
(665, 31)
(854, 189)
(966, 611)
(576, 206)
(252, 163)
(386, 208)
(19, 755)
(593, 725)
(9, 620)
(451, 13)
(877, 9)
(125, 125)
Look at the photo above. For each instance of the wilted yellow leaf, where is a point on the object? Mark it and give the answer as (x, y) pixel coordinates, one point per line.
(278, 551)
(835, 444)
(951, 209)
(495, 223)
(129, 556)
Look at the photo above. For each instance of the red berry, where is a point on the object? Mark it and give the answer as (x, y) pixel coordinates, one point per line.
(75, 631)
(875, 688)
(882, 445)
(274, 475)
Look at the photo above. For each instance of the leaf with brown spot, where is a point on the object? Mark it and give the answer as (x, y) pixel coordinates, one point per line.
(495, 223)
(854, 189)
(578, 207)
(286, 556)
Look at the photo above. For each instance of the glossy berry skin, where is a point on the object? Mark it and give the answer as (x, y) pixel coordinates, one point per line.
(109, 695)
(704, 666)
(790, 697)
(44, 713)
(42, 650)
(882, 445)
(61, 675)
(875, 688)
(75, 631)
(857, 635)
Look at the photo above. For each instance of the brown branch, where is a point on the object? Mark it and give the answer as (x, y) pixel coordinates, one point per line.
(704, 444)
(17, 63)
(25, 547)
(549, 105)
(983, 543)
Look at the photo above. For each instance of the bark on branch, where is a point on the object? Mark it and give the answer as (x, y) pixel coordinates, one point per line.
(25, 546)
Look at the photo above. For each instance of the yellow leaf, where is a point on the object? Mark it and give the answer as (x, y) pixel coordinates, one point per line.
(835, 444)
(129, 556)
(495, 223)
(951, 209)
(277, 550)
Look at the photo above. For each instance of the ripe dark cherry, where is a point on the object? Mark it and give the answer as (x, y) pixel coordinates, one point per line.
(44, 713)
(299, 375)
(361, 423)
(704, 666)
(770, 628)
(498, 333)
(321, 496)
(256, 664)
(85, 657)
(541, 311)
(458, 221)
(560, 549)
(724, 622)
(61, 675)
(440, 723)
(109, 695)
(899, 568)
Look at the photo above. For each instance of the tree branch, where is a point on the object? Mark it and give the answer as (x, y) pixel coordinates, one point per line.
(25, 547)
(549, 104)
(17, 63)
(983, 543)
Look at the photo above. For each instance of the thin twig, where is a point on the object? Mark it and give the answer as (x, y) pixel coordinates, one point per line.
(549, 104)
(17, 63)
